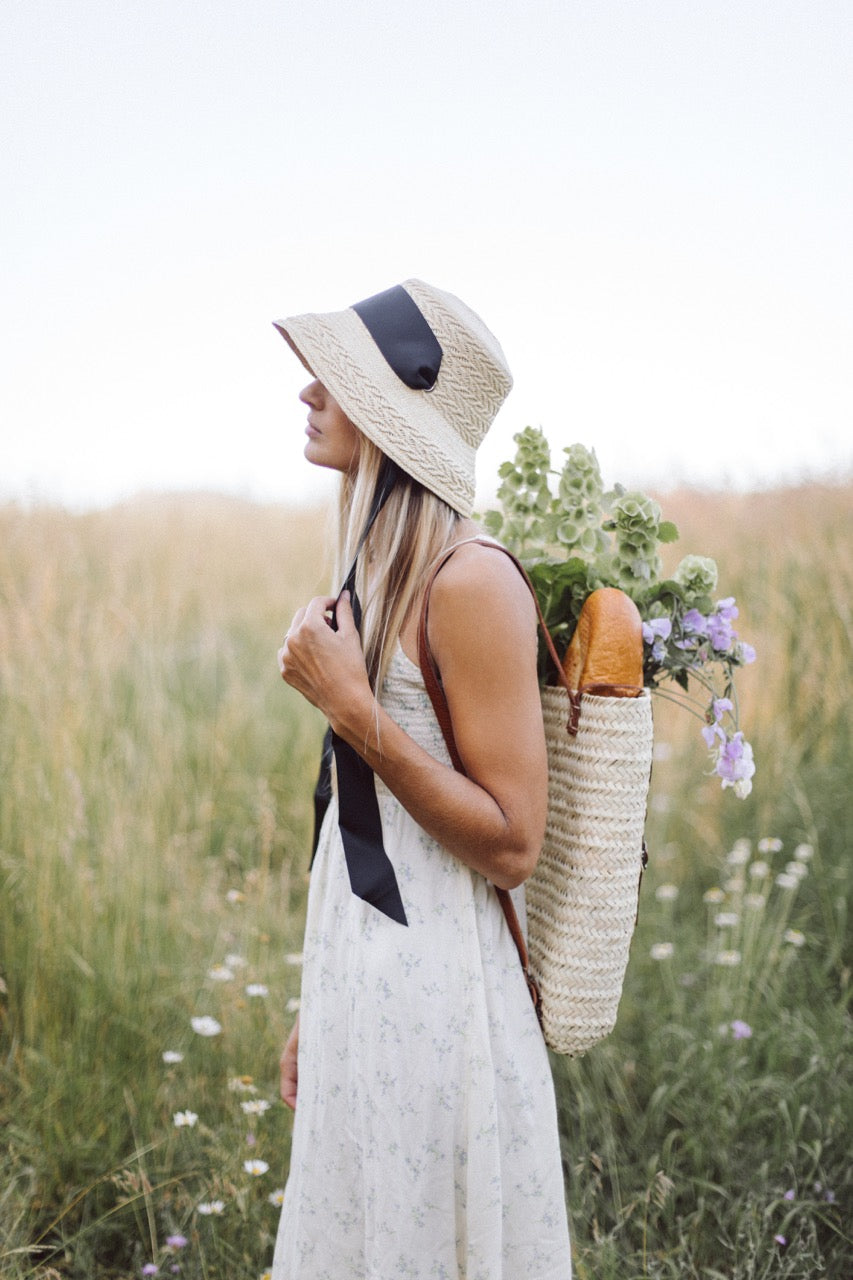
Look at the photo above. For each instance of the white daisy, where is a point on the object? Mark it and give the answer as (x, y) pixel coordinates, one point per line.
(209, 1207)
(205, 1026)
(221, 973)
(184, 1119)
(255, 1106)
(241, 1084)
(661, 951)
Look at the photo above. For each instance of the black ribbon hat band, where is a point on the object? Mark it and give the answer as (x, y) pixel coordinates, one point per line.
(397, 325)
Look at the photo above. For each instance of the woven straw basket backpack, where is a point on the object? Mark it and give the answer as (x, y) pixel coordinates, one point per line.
(582, 898)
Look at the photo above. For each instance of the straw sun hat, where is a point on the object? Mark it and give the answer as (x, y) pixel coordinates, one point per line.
(418, 372)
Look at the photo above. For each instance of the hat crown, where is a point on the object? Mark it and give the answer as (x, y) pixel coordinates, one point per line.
(474, 378)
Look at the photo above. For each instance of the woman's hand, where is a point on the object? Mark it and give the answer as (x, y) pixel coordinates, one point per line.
(288, 1068)
(325, 666)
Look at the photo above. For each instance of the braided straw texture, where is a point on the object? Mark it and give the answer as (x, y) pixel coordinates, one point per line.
(474, 379)
(582, 897)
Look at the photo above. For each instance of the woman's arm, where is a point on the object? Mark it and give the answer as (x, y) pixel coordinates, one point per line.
(482, 634)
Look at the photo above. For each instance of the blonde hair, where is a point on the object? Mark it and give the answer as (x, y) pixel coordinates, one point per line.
(412, 529)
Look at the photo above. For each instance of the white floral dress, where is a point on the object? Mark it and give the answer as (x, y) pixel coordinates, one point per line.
(425, 1137)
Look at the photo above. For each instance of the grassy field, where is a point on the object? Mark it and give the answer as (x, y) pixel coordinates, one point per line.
(154, 826)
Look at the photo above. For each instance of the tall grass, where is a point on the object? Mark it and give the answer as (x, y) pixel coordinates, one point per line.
(154, 823)
(149, 752)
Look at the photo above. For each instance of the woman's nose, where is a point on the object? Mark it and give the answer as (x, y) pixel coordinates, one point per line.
(311, 394)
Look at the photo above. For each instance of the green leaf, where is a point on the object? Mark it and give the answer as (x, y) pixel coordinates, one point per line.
(667, 531)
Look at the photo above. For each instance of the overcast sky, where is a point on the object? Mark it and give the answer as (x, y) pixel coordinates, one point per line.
(649, 201)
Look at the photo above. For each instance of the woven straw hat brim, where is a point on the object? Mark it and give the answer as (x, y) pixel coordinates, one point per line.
(338, 349)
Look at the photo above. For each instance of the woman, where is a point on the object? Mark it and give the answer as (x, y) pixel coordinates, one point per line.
(425, 1135)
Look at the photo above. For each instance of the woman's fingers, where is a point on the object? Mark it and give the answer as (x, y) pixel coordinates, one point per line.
(289, 1068)
(289, 1079)
(325, 665)
(321, 603)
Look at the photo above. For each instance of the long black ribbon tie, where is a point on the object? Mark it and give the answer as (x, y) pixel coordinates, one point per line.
(371, 873)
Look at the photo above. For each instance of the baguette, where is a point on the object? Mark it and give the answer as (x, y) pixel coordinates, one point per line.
(607, 646)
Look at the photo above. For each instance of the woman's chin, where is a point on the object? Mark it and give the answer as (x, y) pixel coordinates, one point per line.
(313, 453)
(319, 455)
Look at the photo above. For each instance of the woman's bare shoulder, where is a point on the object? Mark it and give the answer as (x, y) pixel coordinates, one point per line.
(478, 596)
(479, 567)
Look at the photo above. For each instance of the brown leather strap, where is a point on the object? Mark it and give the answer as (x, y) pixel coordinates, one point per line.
(442, 714)
(596, 689)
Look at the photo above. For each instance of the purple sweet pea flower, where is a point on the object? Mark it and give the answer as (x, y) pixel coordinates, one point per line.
(729, 758)
(658, 628)
(713, 730)
(720, 632)
(694, 622)
(744, 653)
(727, 608)
(735, 765)
(656, 633)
